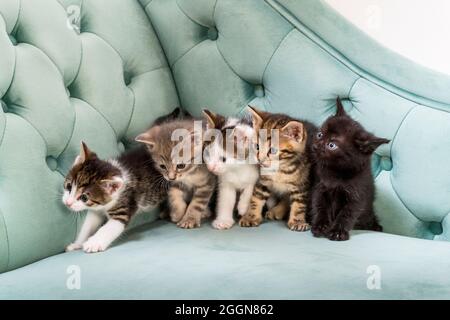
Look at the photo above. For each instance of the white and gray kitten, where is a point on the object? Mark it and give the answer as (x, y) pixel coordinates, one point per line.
(113, 191)
(237, 175)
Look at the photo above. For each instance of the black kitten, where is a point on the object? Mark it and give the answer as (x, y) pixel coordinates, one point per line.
(343, 196)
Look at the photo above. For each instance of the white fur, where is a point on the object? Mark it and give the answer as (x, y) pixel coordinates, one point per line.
(102, 239)
(225, 206)
(232, 122)
(234, 176)
(92, 222)
(69, 199)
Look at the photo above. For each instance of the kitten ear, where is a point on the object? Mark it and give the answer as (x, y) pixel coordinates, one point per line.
(340, 111)
(148, 137)
(112, 185)
(185, 114)
(84, 155)
(213, 120)
(294, 130)
(258, 116)
(368, 144)
(175, 113)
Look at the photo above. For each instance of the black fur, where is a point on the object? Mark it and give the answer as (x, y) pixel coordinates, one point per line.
(176, 114)
(343, 195)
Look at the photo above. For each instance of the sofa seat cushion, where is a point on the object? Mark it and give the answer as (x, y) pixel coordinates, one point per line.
(159, 260)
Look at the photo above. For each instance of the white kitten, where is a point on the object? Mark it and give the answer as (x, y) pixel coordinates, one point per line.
(236, 173)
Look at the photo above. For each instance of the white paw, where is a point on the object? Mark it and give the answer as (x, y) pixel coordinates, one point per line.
(222, 224)
(242, 209)
(94, 244)
(73, 247)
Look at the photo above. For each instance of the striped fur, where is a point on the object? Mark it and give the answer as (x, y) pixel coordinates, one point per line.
(113, 190)
(191, 185)
(290, 184)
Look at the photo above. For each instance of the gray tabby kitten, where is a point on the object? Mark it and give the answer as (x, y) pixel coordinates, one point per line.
(191, 184)
(113, 190)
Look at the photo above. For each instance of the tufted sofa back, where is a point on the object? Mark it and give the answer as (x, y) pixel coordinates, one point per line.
(296, 56)
(96, 70)
(70, 70)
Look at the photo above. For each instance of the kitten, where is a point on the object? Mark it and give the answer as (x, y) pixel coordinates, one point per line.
(290, 184)
(343, 197)
(113, 190)
(235, 172)
(191, 184)
(177, 114)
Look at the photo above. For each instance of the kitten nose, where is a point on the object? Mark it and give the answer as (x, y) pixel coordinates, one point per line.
(69, 202)
(171, 176)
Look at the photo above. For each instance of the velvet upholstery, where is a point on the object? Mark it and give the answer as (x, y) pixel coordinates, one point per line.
(103, 85)
(158, 261)
(104, 75)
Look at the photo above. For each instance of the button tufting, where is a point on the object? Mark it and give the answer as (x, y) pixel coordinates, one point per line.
(259, 91)
(4, 106)
(213, 34)
(347, 103)
(52, 163)
(74, 18)
(13, 40)
(127, 77)
(436, 228)
(121, 146)
(386, 163)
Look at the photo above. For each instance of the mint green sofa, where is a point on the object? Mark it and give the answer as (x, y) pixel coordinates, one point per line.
(102, 70)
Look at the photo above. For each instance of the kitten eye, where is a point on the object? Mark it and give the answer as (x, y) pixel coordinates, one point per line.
(84, 198)
(223, 159)
(332, 146)
(162, 166)
(319, 135)
(273, 150)
(69, 187)
(181, 166)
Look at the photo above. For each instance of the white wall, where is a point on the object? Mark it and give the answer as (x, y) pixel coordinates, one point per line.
(417, 29)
